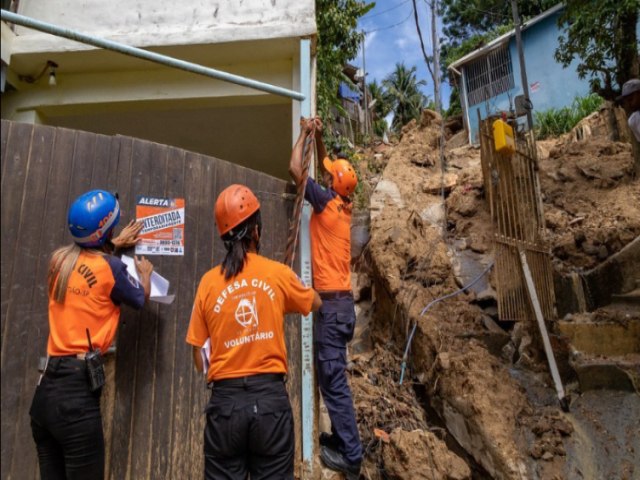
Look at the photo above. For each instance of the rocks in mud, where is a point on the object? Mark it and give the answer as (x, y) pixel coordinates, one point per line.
(429, 117)
(556, 219)
(463, 202)
(386, 190)
(434, 214)
(435, 183)
(423, 161)
(603, 177)
(549, 429)
(421, 455)
(460, 139)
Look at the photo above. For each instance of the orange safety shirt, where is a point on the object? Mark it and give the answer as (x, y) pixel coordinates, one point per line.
(330, 229)
(97, 286)
(244, 317)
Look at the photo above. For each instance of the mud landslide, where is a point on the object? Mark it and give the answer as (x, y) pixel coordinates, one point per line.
(476, 401)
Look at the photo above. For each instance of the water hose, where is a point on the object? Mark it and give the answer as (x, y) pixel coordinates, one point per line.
(431, 304)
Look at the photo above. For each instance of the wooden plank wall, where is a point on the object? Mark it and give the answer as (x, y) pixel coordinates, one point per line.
(154, 409)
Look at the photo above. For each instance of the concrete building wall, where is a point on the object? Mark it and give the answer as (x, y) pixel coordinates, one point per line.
(145, 23)
(106, 92)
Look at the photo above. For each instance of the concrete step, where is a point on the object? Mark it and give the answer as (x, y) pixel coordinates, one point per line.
(628, 299)
(608, 373)
(603, 338)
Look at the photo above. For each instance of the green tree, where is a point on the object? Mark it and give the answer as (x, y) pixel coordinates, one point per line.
(602, 35)
(404, 95)
(381, 107)
(338, 42)
(462, 19)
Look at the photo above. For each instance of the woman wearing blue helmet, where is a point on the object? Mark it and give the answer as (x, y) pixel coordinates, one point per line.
(87, 285)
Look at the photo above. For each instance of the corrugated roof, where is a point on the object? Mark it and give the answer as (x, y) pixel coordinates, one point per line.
(502, 39)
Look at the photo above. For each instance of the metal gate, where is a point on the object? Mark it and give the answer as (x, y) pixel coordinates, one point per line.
(513, 192)
(154, 411)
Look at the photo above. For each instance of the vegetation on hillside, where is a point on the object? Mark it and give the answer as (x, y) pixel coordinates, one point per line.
(338, 42)
(556, 121)
(381, 107)
(402, 91)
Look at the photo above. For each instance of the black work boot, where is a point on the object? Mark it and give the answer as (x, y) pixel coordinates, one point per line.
(336, 461)
(329, 440)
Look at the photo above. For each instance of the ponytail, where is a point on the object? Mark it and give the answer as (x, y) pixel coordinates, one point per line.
(62, 263)
(237, 242)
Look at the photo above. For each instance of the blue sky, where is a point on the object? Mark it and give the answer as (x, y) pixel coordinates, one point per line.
(392, 37)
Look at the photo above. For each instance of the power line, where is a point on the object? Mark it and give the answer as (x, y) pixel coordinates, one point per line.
(492, 13)
(424, 52)
(368, 16)
(390, 26)
(495, 14)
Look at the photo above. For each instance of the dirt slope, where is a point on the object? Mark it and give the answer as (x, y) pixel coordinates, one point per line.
(487, 395)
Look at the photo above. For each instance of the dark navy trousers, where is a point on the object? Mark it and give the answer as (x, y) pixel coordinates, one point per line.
(333, 329)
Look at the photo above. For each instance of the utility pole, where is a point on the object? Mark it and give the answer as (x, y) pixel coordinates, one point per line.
(435, 41)
(523, 68)
(364, 85)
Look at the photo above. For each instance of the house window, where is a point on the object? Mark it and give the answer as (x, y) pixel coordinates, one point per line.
(489, 76)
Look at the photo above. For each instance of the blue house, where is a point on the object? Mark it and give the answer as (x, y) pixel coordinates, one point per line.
(490, 76)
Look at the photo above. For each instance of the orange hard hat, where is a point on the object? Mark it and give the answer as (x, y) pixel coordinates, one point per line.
(343, 174)
(234, 205)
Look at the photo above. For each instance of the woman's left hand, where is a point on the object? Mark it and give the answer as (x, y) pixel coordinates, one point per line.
(128, 237)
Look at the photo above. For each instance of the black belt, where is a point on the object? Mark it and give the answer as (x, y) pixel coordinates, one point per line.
(54, 361)
(78, 356)
(335, 295)
(247, 381)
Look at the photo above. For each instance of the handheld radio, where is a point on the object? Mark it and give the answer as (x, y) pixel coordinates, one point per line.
(95, 366)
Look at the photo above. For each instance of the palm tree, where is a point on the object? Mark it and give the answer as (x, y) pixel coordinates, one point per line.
(404, 95)
(381, 107)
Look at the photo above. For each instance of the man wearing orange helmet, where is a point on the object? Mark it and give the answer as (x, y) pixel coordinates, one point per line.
(240, 307)
(330, 229)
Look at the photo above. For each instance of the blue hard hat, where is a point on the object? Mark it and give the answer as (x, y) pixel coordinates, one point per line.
(92, 216)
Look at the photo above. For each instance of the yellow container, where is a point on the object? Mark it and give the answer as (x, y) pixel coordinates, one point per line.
(503, 137)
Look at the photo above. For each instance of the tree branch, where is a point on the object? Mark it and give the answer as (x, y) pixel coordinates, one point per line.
(424, 53)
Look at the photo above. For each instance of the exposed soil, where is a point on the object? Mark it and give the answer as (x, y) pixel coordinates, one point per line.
(487, 407)
(592, 207)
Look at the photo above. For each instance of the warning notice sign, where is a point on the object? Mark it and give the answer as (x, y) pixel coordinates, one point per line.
(163, 226)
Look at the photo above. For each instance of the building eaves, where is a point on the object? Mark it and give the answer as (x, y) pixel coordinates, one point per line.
(502, 39)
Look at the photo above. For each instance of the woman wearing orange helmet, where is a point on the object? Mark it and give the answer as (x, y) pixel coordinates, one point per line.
(240, 307)
(330, 229)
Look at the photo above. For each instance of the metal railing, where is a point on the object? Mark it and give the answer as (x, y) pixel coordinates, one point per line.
(512, 189)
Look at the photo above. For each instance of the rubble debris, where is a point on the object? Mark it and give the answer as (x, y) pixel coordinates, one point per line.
(465, 359)
(419, 454)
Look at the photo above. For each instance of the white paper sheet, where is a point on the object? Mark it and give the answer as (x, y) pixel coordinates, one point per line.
(205, 353)
(159, 284)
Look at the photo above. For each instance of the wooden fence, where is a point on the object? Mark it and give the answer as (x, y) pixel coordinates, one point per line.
(154, 409)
